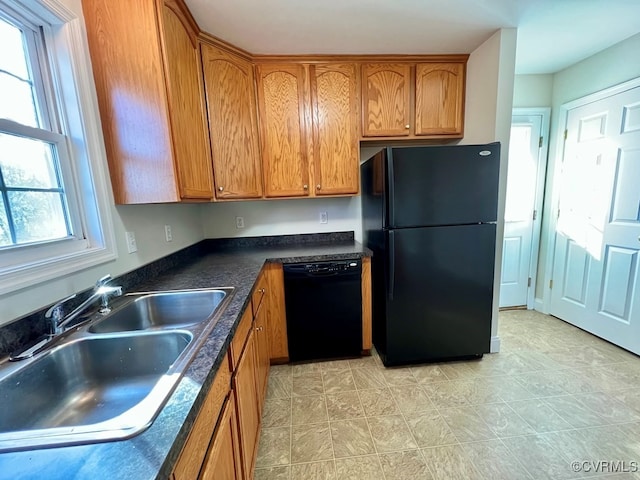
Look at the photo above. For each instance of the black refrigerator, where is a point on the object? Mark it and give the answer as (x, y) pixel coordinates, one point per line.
(429, 216)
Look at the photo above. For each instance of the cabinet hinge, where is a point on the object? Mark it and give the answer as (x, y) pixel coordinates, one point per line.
(535, 215)
(550, 284)
(529, 282)
(540, 143)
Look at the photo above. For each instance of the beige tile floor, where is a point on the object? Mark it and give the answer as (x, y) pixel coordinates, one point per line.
(553, 396)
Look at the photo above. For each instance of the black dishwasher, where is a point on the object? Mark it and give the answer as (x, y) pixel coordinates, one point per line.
(324, 309)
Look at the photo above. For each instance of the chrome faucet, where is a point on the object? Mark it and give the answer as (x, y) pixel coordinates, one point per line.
(60, 323)
(102, 291)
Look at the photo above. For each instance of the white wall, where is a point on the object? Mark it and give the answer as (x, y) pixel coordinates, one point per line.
(281, 217)
(490, 81)
(147, 222)
(532, 91)
(607, 68)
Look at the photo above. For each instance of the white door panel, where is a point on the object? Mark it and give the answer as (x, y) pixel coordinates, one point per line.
(524, 164)
(596, 272)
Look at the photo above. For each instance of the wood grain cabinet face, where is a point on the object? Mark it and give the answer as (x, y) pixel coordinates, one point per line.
(334, 100)
(386, 96)
(231, 105)
(223, 458)
(276, 319)
(146, 69)
(186, 105)
(262, 354)
(283, 128)
(439, 99)
(244, 383)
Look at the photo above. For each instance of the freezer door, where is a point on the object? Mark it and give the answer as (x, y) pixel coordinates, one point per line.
(439, 293)
(430, 186)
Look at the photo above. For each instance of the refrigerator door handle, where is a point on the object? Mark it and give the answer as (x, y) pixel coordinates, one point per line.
(392, 264)
(390, 200)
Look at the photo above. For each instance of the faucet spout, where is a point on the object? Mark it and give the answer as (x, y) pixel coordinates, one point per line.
(60, 323)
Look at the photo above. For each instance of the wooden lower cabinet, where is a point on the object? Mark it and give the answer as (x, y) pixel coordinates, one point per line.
(248, 411)
(262, 354)
(223, 460)
(195, 450)
(276, 318)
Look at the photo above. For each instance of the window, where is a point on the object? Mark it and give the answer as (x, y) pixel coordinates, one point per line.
(54, 214)
(33, 206)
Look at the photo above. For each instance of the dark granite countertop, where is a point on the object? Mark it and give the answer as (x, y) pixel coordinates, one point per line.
(153, 453)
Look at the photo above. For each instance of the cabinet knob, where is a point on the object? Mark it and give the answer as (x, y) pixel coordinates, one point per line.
(407, 126)
(262, 290)
(305, 186)
(221, 188)
(318, 187)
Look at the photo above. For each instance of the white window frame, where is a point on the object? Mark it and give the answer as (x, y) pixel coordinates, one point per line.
(75, 111)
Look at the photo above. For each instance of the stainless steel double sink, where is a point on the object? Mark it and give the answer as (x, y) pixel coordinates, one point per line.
(109, 379)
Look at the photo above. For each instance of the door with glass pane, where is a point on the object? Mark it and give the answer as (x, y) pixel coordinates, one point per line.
(527, 156)
(596, 284)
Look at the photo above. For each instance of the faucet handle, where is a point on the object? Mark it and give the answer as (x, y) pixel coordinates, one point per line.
(104, 280)
(56, 309)
(54, 314)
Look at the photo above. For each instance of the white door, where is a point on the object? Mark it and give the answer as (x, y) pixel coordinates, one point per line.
(595, 276)
(526, 158)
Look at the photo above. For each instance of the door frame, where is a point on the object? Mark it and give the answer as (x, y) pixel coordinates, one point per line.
(545, 113)
(552, 189)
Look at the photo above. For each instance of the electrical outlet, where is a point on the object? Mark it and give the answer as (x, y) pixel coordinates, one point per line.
(239, 222)
(324, 217)
(167, 233)
(132, 246)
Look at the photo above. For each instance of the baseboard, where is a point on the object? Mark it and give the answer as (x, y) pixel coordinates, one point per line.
(495, 344)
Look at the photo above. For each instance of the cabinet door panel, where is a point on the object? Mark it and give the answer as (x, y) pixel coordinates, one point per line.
(439, 99)
(186, 104)
(223, 459)
(127, 69)
(276, 320)
(230, 91)
(335, 142)
(283, 127)
(262, 354)
(386, 100)
(247, 405)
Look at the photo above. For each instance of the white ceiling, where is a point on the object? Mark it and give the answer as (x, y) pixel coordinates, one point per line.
(552, 34)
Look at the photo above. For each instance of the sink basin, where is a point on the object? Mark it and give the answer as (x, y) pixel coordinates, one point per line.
(107, 381)
(178, 309)
(90, 389)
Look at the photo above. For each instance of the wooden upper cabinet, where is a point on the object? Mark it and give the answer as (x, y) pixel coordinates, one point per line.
(146, 70)
(439, 98)
(231, 105)
(336, 153)
(186, 103)
(386, 96)
(283, 129)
